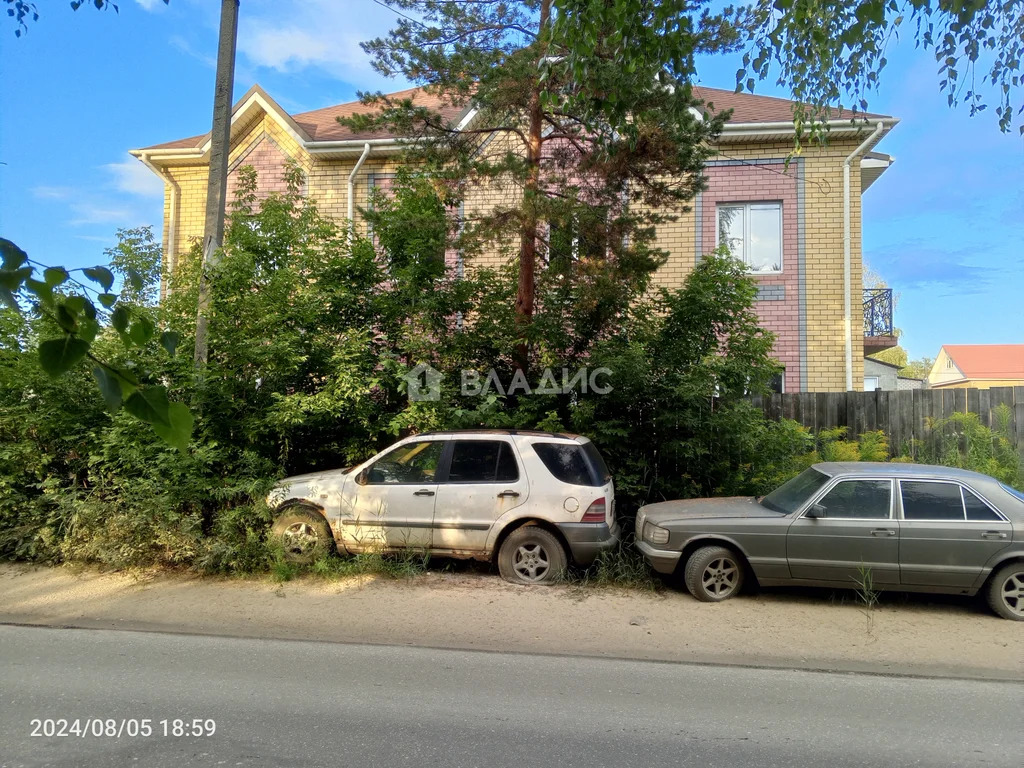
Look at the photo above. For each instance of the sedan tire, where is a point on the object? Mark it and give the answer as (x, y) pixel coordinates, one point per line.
(1006, 591)
(303, 534)
(713, 574)
(531, 555)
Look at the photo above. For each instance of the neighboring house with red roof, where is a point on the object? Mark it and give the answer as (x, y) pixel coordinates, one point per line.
(786, 221)
(978, 365)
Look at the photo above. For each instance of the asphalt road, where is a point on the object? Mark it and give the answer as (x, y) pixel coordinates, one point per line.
(289, 703)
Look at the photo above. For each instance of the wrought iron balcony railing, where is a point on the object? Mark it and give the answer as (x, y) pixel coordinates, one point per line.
(878, 312)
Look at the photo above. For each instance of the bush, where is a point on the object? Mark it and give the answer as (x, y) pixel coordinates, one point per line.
(310, 338)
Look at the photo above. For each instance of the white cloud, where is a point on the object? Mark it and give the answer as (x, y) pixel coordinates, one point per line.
(99, 212)
(292, 35)
(150, 5)
(52, 193)
(133, 178)
(186, 47)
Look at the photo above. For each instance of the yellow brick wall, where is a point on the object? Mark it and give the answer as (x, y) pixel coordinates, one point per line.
(822, 169)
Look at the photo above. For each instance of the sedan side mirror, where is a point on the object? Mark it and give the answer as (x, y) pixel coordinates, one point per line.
(362, 477)
(816, 511)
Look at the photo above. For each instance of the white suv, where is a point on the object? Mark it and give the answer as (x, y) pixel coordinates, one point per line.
(530, 498)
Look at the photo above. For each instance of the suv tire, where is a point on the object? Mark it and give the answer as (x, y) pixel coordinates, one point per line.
(532, 555)
(303, 534)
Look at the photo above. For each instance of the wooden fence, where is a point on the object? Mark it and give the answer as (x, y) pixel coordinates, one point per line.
(906, 417)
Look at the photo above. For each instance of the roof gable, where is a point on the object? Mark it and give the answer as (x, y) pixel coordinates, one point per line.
(987, 361)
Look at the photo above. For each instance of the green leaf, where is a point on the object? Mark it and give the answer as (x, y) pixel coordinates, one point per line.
(141, 331)
(119, 319)
(65, 319)
(135, 280)
(107, 299)
(178, 434)
(150, 405)
(40, 290)
(76, 304)
(7, 297)
(110, 387)
(169, 341)
(13, 256)
(100, 275)
(12, 279)
(88, 328)
(54, 276)
(59, 356)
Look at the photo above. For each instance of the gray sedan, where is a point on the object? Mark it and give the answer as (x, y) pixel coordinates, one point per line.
(906, 527)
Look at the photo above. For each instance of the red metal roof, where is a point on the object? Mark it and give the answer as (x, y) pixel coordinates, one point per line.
(988, 361)
(322, 124)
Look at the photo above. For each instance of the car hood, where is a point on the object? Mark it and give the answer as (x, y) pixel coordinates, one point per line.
(299, 483)
(693, 509)
(311, 477)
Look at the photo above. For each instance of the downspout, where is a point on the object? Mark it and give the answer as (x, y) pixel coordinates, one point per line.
(351, 191)
(172, 219)
(848, 311)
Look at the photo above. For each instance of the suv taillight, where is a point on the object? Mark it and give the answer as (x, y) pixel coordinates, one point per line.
(595, 512)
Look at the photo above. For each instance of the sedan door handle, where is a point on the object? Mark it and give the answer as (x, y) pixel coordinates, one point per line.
(512, 494)
(883, 532)
(993, 535)
(423, 492)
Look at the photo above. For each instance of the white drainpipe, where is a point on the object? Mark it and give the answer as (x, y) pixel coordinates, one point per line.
(172, 220)
(351, 190)
(848, 311)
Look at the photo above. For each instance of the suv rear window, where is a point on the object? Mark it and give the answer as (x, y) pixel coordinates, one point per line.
(573, 463)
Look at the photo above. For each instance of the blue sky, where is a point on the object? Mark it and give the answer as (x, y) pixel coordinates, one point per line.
(944, 226)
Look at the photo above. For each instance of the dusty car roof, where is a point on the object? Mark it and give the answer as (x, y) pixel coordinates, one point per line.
(898, 469)
(525, 432)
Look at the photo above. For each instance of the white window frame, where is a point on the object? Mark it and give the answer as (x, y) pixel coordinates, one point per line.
(877, 380)
(747, 206)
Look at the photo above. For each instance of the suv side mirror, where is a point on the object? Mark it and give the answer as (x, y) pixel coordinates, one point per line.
(816, 511)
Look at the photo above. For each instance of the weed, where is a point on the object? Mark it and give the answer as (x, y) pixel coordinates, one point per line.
(622, 566)
(867, 594)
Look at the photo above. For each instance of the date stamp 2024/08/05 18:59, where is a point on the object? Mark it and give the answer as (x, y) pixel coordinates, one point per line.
(117, 728)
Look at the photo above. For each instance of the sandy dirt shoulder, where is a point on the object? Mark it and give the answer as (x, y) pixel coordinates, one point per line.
(480, 612)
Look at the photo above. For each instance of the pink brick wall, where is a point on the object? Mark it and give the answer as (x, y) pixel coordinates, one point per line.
(746, 183)
(269, 160)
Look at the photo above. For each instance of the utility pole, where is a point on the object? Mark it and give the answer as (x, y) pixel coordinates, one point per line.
(217, 184)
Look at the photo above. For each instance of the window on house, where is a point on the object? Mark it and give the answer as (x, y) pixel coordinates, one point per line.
(753, 234)
(582, 235)
(778, 383)
(871, 383)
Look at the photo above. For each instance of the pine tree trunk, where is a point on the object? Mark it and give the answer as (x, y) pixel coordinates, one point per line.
(525, 295)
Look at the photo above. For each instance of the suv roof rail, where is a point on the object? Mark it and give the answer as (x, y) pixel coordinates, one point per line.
(527, 432)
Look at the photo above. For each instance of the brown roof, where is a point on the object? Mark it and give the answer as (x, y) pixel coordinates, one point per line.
(750, 108)
(322, 124)
(988, 361)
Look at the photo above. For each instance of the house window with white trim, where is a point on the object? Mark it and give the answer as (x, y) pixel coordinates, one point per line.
(871, 383)
(753, 234)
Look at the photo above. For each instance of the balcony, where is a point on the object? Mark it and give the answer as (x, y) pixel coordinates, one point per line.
(878, 330)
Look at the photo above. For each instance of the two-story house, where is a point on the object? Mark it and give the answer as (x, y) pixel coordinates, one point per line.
(796, 225)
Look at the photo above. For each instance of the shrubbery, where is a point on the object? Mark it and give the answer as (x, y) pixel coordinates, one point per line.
(309, 339)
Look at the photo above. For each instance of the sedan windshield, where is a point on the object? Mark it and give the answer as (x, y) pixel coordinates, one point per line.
(789, 496)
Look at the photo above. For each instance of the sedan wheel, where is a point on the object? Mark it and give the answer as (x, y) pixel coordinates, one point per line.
(713, 574)
(531, 555)
(1006, 592)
